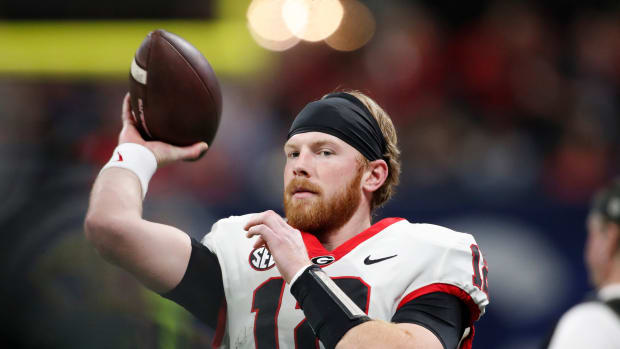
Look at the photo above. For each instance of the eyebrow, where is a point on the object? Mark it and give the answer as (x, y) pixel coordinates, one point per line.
(318, 143)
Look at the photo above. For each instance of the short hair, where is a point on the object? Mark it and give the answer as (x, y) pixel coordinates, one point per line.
(392, 153)
(606, 202)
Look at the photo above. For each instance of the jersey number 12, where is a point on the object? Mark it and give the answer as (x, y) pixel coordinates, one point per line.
(268, 299)
(478, 280)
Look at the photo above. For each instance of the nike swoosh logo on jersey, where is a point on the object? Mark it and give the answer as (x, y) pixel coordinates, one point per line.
(120, 157)
(369, 261)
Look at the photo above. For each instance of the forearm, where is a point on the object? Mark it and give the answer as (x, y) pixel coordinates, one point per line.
(116, 191)
(116, 198)
(114, 202)
(114, 210)
(381, 334)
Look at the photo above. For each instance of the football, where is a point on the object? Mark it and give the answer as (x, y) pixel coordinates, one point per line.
(175, 94)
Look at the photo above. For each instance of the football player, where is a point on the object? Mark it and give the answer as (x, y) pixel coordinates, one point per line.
(324, 276)
(596, 322)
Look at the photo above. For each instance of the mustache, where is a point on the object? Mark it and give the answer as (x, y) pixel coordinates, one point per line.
(301, 184)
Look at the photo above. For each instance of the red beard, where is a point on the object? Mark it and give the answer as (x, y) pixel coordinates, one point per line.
(319, 215)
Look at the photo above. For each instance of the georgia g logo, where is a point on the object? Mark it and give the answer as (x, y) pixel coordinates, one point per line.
(323, 260)
(261, 259)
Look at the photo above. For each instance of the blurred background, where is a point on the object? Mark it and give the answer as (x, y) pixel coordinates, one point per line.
(507, 113)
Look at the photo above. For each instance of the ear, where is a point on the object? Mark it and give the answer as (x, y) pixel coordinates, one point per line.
(613, 240)
(375, 175)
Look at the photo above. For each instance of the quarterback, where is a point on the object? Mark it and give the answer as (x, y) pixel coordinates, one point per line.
(323, 276)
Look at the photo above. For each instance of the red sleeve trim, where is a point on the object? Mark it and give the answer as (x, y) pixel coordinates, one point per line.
(221, 326)
(474, 311)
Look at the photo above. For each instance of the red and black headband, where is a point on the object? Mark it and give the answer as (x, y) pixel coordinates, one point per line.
(346, 117)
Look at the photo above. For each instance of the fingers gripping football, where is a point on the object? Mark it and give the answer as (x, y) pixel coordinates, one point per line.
(164, 153)
(283, 241)
(129, 133)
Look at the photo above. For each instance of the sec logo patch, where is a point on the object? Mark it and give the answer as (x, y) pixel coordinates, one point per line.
(261, 259)
(323, 260)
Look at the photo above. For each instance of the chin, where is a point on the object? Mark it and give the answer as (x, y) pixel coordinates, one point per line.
(300, 208)
(302, 202)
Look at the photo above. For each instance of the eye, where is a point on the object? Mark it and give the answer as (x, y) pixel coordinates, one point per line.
(326, 152)
(292, 154)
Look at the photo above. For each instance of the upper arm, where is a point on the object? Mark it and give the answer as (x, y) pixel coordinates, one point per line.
(441, 314)
(424, 338)
(156, 254)
(433, 321)
(381, 334)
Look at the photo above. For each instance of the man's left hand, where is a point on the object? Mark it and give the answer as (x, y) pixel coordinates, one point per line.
(283, 241)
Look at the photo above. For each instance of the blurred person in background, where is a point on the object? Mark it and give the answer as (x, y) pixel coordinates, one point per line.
(395, 284)
(596, 323)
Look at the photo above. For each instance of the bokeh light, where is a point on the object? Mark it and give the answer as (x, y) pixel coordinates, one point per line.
(312, 20)
(274, 45)
(278, 25)
(296, 14)
(356, 28)
(267, 25)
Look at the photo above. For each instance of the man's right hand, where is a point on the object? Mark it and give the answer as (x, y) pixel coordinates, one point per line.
(164, 153)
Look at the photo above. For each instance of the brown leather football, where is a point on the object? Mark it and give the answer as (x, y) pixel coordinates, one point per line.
(175, 95)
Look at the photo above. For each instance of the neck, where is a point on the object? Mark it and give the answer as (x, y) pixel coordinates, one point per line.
(614, 273)
(358, 222)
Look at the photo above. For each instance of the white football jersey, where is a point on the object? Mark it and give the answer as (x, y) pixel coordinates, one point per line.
(380, 269)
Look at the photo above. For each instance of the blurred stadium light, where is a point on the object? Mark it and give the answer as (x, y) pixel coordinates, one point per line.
(312, 20)
(356, 28)
(267, 26)
(279, 25)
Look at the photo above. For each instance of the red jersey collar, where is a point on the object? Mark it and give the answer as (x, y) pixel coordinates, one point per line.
(316, 249)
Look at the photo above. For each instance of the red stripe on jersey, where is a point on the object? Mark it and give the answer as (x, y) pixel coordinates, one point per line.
(474, 311)
(316, 249)
(469, 340)
(221, 325)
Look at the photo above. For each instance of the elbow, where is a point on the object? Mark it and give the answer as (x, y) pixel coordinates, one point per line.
(104, 233)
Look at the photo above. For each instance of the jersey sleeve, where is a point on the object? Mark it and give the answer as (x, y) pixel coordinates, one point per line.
(441, 313)
(201, 290)
(455, 266)
(225, 241)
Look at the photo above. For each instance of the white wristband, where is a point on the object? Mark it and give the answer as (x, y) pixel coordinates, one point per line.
(137, 159)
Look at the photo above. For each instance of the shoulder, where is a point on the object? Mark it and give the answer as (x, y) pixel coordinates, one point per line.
(233, 221)
(447, 261)
(584, 313)
(590, 324)
(226, 227)
(432, 234)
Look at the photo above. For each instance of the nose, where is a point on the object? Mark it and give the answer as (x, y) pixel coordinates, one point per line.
(302, 165)
(300, 172)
